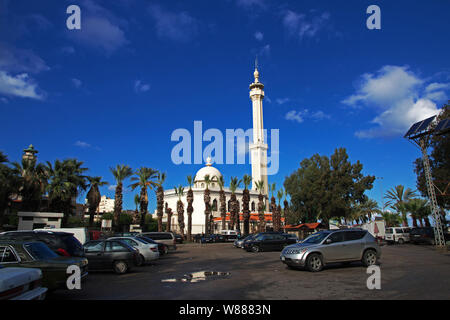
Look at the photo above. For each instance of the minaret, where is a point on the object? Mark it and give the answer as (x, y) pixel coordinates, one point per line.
(258, 148)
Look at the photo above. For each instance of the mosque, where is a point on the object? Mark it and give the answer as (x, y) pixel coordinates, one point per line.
(258, 152)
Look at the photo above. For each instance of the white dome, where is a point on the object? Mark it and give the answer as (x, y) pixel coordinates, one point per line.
(208, 170)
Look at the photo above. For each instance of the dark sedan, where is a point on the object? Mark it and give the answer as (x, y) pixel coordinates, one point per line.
(268, 242)
(111, 254)
(38, 255)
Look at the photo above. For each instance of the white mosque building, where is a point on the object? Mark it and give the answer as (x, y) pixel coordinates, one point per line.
(258, 152)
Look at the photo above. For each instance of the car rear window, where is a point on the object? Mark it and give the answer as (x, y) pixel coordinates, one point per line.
(39, 251)
(353, 235)
(73, 246)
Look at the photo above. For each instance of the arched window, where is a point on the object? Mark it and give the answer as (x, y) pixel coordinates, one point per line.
(253, 206)
(214, 205)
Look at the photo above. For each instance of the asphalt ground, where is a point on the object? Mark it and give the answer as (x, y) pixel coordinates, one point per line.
(407, 272)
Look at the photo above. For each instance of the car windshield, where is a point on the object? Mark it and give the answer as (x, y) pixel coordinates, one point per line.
(40, 251)
(388, 230)
(316, 237)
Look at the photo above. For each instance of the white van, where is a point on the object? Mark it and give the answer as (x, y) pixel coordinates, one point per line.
(81, 234)
(398, 235)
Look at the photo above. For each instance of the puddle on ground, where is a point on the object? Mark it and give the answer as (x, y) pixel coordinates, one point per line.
(200, 276)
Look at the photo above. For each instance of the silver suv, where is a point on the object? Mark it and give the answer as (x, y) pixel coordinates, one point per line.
(326, 247)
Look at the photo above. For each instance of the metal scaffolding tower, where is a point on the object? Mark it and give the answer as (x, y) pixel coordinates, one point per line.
(420, 134)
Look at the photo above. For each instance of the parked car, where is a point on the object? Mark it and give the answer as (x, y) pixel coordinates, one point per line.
(230, 237)
(214, 238)
(147, 251)
(28, 254)
(21, 284)
(168, 238)
(239, 243)
(425, 235)
(178, 238)
(291, 236)
(111, 254)
(326, 247)
(267, 241)
(81, 234)
(398, 235)
(62, 243)
(162, 248)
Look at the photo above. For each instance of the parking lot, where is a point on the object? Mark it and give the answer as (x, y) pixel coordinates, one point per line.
(407, 272)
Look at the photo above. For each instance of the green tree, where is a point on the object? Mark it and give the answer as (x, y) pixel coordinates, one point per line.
(261, 206)
(207, 201)
(325, 188)
(223, 201)
(66, 181)
(10, 183)
(391, 219)
(145, 178)
(120, 173)
(190, 208)
(93, 196)
(180, 209)
(234, 212)
(397, 197)
(160, 200)
(246, 203)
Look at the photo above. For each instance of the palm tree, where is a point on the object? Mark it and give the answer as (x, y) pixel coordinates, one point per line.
(286, 206)
(160, 199)
(273, 205)
(234, 214)
(93, 196)
(261, 206)
(136, 212)
(391, 219)
(145, 178)
(66, 180)
(207, 200)
(363, 212)
(280, 194)
(169, 218)
(420, 210)
(120, 173)
(10, 183)
(397, 196)
(190, 208)
(223, 201)
(180, 209)
(245, 203)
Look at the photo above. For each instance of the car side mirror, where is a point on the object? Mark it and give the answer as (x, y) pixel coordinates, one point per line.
(328, 241)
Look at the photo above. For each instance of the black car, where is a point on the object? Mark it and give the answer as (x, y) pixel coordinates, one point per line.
(162, 248)
(111, 254)
(178, 238)
(62, 243)
(424, 235)
(268, 241)
(215, 238)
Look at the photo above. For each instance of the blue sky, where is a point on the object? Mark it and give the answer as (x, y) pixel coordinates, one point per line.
(114, 91)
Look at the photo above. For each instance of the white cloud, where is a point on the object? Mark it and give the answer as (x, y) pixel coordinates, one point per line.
(259, 36)
(82, 144)
(100, 28)
(139, 86)
(282, 100)
(76, 82)
(398, 96)
(294, 116)
(302, 115)
(175, 26)
(14, 59)
(112, 187)
(302, 26)
(20, 85)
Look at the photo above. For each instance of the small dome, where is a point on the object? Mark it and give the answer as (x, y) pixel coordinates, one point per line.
(208, 170)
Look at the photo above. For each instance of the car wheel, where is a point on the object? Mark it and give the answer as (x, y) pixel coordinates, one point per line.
(369, 258)
(401, 241)
(120, 267)
(166, 250)
(256, 249)
(314, 262)
(140, 260)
